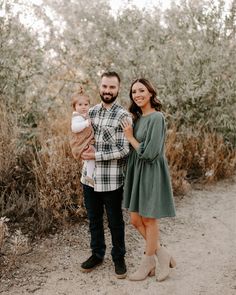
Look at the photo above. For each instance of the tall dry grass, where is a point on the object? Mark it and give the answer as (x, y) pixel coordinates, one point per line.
(12, 246)
(17, 194)
(40, 180)
(39, 184)
(57, 173)
(198, 156)
(9, 150)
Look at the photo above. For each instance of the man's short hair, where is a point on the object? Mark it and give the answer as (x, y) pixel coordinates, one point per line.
(111, 74)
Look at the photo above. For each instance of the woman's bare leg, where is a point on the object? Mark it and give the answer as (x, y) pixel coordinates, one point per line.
(136, 221)
(152, 233)
(141, 224)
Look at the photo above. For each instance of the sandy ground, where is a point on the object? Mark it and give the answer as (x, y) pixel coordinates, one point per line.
(202, 238)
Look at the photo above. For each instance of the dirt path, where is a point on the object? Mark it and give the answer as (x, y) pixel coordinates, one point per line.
(202, 238)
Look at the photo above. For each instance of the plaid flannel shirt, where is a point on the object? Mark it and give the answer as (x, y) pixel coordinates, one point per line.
(111, 147)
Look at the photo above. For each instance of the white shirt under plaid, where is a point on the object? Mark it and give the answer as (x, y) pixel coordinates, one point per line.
(112, 148)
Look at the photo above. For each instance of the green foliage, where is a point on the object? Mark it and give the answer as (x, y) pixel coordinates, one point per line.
(21, 59)
(200, 87)
(187, 51)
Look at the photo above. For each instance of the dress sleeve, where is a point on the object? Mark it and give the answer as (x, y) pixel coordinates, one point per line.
(150, 148)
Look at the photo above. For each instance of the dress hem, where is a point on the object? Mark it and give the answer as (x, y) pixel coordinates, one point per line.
(171, 215)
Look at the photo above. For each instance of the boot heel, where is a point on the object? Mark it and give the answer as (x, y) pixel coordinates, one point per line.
(172, 262)
(152, 273)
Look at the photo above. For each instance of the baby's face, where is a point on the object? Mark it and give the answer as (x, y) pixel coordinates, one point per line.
(82, 106)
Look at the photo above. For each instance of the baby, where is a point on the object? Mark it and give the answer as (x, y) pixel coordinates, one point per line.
(82, 132)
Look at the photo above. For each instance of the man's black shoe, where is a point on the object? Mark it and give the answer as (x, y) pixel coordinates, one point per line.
(91, 263)
(120, 268)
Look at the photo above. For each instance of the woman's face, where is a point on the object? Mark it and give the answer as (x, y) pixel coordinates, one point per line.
(140, 94)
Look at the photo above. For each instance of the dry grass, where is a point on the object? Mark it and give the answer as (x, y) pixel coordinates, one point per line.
(8, 145)
(17, 194)
(3, 231)
(9, 150)
(57, 173)
(40, 180)
(198, 157)
(11, 246)
(40, 186)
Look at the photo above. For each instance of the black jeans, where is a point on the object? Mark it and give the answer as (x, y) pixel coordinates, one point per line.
(95, 203)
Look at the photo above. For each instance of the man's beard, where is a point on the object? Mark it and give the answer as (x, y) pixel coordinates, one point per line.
(110, 99)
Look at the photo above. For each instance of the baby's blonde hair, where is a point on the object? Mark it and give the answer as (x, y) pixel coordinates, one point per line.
(76, 97)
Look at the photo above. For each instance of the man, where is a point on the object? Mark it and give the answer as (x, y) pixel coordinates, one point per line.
(110, 154)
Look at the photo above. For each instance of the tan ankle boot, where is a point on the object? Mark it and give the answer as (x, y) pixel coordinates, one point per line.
(164, 262)
(146, 268)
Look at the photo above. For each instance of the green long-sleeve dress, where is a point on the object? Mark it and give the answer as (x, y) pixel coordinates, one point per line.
(147, 188)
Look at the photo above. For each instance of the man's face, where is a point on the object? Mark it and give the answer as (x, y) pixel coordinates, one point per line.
(109, 89)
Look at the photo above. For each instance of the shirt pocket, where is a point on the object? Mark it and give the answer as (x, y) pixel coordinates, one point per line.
(109, 134)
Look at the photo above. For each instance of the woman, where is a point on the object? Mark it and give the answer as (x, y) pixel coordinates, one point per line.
(147, 190)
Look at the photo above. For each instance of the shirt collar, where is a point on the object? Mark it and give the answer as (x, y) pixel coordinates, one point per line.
(113, 106)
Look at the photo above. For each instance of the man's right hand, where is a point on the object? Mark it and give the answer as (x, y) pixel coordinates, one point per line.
(89, 153)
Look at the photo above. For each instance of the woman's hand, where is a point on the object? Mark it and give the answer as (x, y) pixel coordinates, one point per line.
(127, 129)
